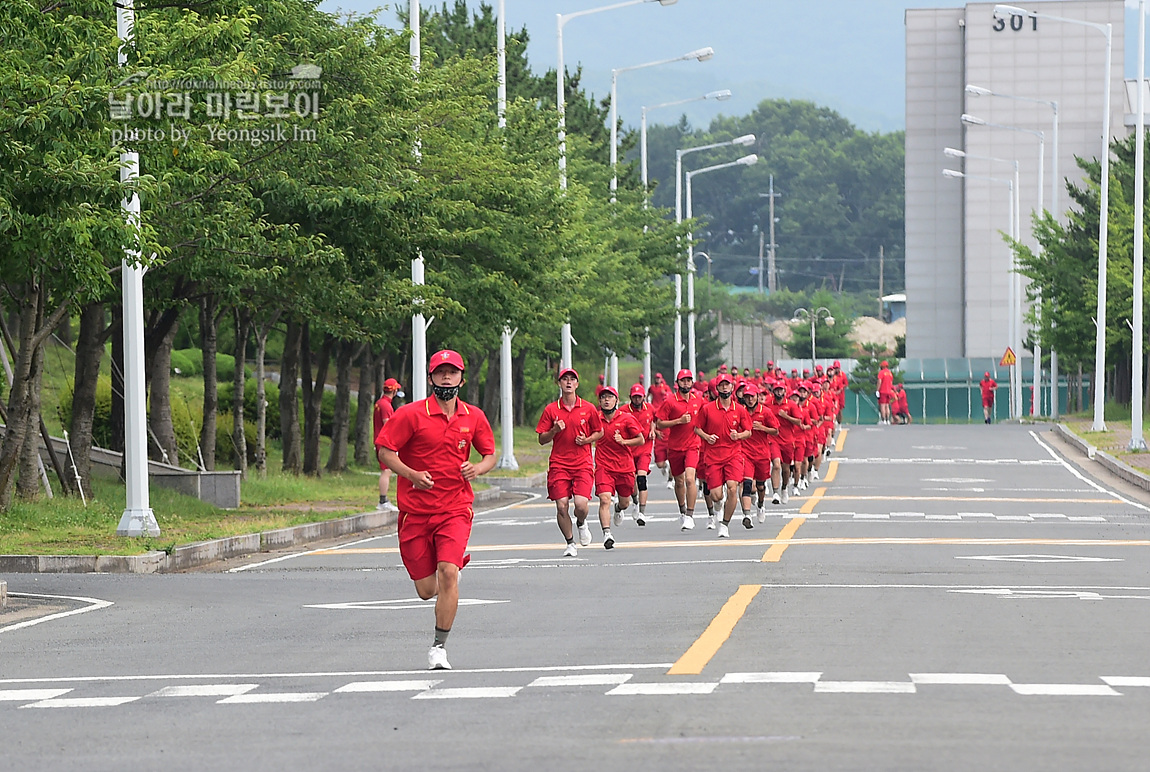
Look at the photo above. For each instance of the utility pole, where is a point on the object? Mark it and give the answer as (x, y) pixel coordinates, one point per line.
(772, 272)
(762, 237)
(880, 277)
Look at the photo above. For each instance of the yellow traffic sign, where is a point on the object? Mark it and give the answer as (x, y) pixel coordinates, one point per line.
(1008, 358)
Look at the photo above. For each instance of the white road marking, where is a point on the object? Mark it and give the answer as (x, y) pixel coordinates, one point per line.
(943, 517)
(1040, 558)
(27, 695)
(96, 604)
(631, 690)
(1135, 681)
(397, 605)
(204, 690)
(607, 679)
(469, 693)
(1046, 515)
(263, 699)
(957, 480)
(908, 514)
(359, 687)
(965, 461)
(1087, 519)
(82, 702)
(771, 678)
(871, 517)
(1023, 518)
(1050, 595)
(960, 679)
(1064, 690)
(864, 687)
(1066, 465)
(976, 514)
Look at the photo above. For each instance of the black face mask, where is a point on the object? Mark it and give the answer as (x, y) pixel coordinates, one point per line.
(725, 394)
(445, 393)
(684, 389)
(608, 413)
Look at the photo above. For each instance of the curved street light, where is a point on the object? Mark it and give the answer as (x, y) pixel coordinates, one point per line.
(803, 315)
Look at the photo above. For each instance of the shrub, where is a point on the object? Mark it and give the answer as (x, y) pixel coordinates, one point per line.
(226, 446)
(187, 362)
(226, 368)
(271, 396)
(101, 421)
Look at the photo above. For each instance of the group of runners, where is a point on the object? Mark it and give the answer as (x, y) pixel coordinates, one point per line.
(746, 440)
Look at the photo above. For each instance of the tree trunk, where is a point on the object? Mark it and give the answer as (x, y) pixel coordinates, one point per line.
(159, 366)
(289, 407)
(518, 369)
(364, 442)
(89, 352)
(471, 388)
(491, 387)
(261, 396)
(243, 319)
(30, 480)
(313, 397)
(341, 418)
(209, 333)
(116, 418)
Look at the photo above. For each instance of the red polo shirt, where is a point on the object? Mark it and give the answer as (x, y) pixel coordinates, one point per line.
(644, 417)
(427, 440)
(721, 421)
(681, 437)
(759, 443)
(581, 418)
(609, 454)
(383, 411)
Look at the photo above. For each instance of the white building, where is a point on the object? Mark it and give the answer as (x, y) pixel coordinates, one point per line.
(957, 277)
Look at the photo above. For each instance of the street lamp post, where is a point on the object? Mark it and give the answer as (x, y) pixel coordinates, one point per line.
(1137, 441)
(699, 55)
(1055, 185)
(822, 312)
(1011, 187)
(971, 120)
(745, 140)
(747, 160)
(1107, 30)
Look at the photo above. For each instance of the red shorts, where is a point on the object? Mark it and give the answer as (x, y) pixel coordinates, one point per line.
(786, 452)
(425, 541)
(775, 448)
(682, 460)
(723, 470)
(884, 398)
(810, 449)
(988, 402)
(565, 483)
(608, 481)
(757, 469)
(660, 451)
(643, 459)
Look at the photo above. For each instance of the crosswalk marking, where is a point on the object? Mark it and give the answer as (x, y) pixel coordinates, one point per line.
(771, 678)
(257, 699)
(469, 693)
(864, 687)
(1064, 690)
(626, 690)
(387, 686)
(606, 679)
(82, 702)
(204, 690)
(25, 695)
(960, 679)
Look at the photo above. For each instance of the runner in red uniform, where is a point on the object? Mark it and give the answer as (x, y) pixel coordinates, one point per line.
(901, 407)
(570, 424)
(677, 416)
(644, 415)
(382, 413)
(987, 386)
(660, 392)
(614, 460)
(885, 392)
(723, 425)
(428, 444)
(781, 408)
(759, 449)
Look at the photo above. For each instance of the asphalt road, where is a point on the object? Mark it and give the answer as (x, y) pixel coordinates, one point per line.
(951, 598)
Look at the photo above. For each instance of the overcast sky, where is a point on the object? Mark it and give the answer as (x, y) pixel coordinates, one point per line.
(845, 54)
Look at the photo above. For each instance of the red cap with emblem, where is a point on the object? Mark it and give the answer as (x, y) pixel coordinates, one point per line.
(638, 391)
(445, 357)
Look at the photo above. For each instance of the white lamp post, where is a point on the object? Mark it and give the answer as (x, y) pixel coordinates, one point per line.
(1011, 187)
(747, 160)
(699, 55)
(822, 312)
(138, 519)
(1055, 185)
(1137, 441)
(743, 141)
(1099, 424)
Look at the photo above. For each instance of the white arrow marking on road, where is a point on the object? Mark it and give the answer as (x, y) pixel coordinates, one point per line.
(938, 447)
(1040, 558)
(1050, 595)
(958, 480)
(396, 605)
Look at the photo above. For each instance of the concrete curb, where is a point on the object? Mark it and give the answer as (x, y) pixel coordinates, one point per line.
(1108, 462)
(201, 553)
(3, 594)
(537, 480)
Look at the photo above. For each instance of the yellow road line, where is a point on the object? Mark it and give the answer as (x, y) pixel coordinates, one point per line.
(708, 644)
(782, 541)
(968, 498)
(810, 504)
(841, 440)
(832, 470)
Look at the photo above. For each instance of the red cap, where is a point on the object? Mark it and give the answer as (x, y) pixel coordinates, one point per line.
(770, 364)
(607, 390)
(700, 375)
(565, 371)
(391, 383)
(885, 363)
(751, 390)
(986, 375)
(778, 385)
(724, 378)
(445, 357)
(837, 363)
(658, 376)
(685, 373)
(638, 391)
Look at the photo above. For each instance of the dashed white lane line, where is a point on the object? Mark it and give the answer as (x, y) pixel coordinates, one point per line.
(1064, 690)
(960, 679)
(864, 687)
(608, 679)
(82, 702)
(630, 690)
(387, 686)
(772, 678)
(469, 693)
(1127, 681)
(26, 695)
(204, 690)
(260, 699)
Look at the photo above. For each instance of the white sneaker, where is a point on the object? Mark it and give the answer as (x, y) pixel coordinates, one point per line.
(776, 498)
(747, 520)
(608, 541)
(584, 535)
(617, 518)
(640, 518)
(814, 474)
(671, 484)
(571, 551)
(437, 659)
(687, 523)
(762, 514)
(710, 522)
(724, 532)
(786, 496)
